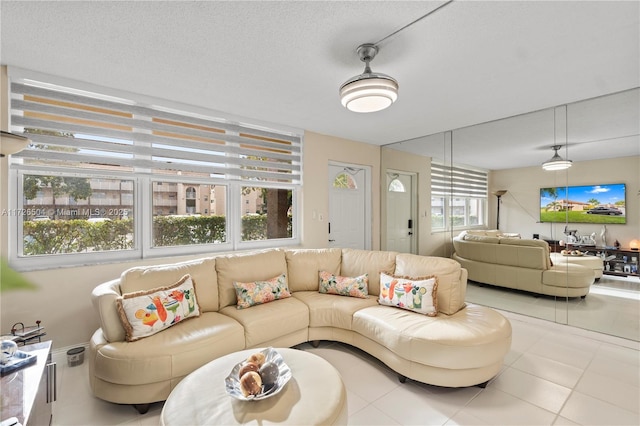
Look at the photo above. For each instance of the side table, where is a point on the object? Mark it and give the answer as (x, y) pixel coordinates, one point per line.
(27, 394)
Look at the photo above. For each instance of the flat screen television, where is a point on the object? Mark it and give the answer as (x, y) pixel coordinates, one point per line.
(604, 203)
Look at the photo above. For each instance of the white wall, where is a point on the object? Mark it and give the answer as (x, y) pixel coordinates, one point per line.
(319, 150)
(519, 211)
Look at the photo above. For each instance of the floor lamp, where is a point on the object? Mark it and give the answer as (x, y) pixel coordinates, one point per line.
(499, 194)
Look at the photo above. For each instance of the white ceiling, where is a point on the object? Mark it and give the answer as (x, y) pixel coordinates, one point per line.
(282, 62)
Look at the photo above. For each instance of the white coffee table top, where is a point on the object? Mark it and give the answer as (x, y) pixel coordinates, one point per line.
(315, 395)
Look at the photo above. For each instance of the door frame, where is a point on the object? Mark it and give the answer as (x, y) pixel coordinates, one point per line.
(413, 177)
(368, 208)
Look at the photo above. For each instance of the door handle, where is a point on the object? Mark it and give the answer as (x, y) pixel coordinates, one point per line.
(410, 233)
(332, 241)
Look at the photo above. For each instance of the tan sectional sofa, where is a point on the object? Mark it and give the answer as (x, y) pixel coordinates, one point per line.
(463, 345)
(522, 264)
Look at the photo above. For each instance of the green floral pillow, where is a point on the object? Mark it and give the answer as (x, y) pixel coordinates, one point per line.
(415, 294)
(258, 292)
(344, 286)
(145, 313)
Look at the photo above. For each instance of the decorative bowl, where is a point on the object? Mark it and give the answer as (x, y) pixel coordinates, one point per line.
(232, 382)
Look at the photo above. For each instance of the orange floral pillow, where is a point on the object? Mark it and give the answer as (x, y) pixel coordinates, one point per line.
(414, 294)
(145, 313)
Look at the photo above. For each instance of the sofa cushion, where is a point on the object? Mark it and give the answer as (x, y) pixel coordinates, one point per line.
(526, 255)
(270, 321)
(482, 232)
(172, 354)
(329, 310)
(202, 271)
(258, 292)
(344, 286)
(415, 294)
(482, 238)
(472, 337)
(304, 265)
(358, 262)
(510, 235)
(525, 242)
(452, 279)
(247, 267)
(145, 313)
(569, 275)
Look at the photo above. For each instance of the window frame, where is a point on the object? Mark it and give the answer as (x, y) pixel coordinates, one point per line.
(448, 194)
(143, 190)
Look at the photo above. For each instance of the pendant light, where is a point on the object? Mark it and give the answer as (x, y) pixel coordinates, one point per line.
(369, 91)
(556, 162)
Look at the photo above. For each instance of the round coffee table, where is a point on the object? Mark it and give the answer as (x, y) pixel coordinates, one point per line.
(314, 395)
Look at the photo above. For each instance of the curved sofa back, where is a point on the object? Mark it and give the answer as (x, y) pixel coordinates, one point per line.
(246, 267)
(452, 279)
(522, 253)
(213, 277)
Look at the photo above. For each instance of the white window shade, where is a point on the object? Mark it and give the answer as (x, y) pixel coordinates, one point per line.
(458, 182)
(79, 129)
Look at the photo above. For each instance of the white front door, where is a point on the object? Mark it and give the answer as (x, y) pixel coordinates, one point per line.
(349, 217)
(401, 223)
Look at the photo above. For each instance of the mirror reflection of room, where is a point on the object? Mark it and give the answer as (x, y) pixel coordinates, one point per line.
(583, 211)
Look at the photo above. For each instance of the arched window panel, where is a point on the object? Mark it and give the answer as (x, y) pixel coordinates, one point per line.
(396, 186)
(344, 181)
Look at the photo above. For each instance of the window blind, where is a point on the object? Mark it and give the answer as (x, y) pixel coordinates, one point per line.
(457, 181)
(85, 130)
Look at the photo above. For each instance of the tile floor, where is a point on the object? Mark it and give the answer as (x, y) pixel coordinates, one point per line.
(553, 375)
(611, 307)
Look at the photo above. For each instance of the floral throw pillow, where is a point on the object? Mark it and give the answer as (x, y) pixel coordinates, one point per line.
(344, 286)
(145, 313)
(415, 294)
(258, 292)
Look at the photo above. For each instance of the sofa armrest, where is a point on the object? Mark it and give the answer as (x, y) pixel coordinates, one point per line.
(104, 298)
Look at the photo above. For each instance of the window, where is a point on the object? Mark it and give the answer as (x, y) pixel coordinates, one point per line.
(147, 170)
(458, 197)
(345, 181)
(181, 223)
(396, 186)
(271, 218)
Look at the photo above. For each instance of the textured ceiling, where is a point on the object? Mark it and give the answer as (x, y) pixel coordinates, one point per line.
(282, 62)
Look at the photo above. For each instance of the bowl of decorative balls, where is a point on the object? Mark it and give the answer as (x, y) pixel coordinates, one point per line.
(262, 375)
(572, 253)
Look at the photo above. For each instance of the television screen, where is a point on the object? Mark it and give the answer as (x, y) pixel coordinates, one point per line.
(603, 203)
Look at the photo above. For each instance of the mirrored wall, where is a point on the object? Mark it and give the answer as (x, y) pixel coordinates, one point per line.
(600, 137)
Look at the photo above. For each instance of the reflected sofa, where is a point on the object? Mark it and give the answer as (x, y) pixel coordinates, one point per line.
(463, 345)
(506, 260)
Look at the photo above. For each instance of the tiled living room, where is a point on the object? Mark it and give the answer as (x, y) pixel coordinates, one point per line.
(153, 137)
(553, 375)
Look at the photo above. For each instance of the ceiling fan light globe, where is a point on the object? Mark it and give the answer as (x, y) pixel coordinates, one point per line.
(556, 165)
(365, 93)
(556, 162)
